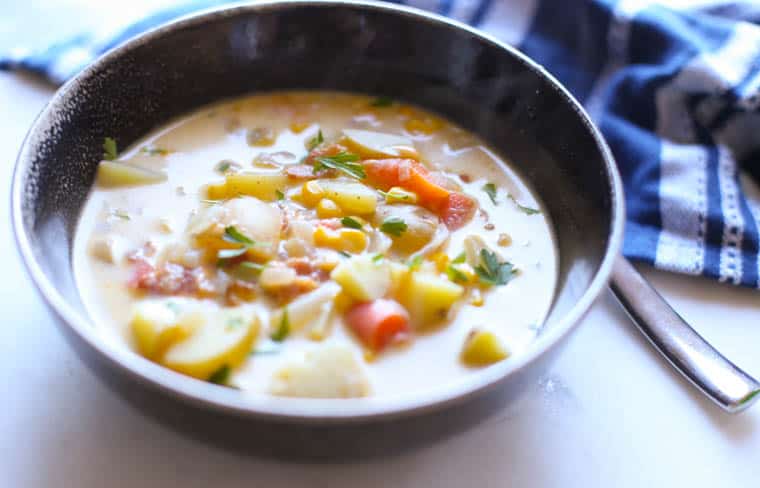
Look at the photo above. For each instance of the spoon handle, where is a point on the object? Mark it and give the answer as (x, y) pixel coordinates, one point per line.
(718, 378)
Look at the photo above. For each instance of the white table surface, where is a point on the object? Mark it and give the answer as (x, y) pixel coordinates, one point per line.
(610, 413)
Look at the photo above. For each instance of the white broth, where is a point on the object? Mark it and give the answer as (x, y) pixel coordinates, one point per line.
(206, 274)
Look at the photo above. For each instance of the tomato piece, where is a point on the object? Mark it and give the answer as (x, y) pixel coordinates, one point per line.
(379, 322)
(458, 210)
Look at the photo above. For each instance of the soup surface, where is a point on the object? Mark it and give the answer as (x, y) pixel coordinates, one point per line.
(315, 244)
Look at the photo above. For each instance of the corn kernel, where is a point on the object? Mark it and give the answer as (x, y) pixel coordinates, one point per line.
(260, 137)
(298, 126)
(349, 240)
(353, 240)
(406, 110)
(441, 261)
(504, 240)
(327, 209)
(369, 355)
(311, 193)
(476, 298)
(423, 126)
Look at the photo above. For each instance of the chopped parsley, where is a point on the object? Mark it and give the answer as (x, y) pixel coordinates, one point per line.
(344, 162)
(394, 226)
(220, 376)
(382, 102)
(462, 257)
(110, 152)
(248, 265)
(415, 262)
(378, 258)
(351, 223)
(490, 190)
(456, 275)
(344, 254)
(283, 329)
(279, 195)
(493, 272)
(523, 208)
(315, 141)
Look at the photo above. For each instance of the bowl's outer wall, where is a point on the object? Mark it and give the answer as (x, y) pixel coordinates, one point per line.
(478, 84)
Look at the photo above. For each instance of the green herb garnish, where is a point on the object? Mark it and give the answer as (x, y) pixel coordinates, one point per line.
(394, 226)
(210, 202)
(279, 195)
(234, 236)
(395, 195)
(490, 190)
(121, 214)
(415, 262)
(344, 162)
(316, 140)
(455, 274)
(378, 258)
(252, 266)
(523, 208)
(110, 151)
(220, 376)
(154, 151)
(226, 166)
(382, 102)
(493, 272)
(351, 223)
(462, 257)
(283, 329)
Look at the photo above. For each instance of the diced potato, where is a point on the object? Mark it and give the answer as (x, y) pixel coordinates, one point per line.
(363, 278)
(421, 225)
(348, 240)
(428, 297)
(482, 348)
(306, 309)
(109, 248)
(253, 218)
(274, 278)
(399, 278)
(353, 198)
(371, 144)
(328, 371)
(160, 323)
(263, 186)
(114, 173)
(225, 338)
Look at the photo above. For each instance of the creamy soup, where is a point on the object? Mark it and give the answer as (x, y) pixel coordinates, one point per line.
(315, 244)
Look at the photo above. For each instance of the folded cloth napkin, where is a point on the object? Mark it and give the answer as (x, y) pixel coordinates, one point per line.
(676, 93)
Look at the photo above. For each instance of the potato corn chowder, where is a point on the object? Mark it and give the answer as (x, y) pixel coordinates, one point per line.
(315, 244)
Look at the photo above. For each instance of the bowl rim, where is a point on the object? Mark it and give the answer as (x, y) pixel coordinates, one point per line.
(299, 410)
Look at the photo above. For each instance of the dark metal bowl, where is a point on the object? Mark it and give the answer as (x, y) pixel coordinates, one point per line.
(484, 85)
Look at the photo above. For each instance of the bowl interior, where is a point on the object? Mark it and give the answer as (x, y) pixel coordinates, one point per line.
(355, 47)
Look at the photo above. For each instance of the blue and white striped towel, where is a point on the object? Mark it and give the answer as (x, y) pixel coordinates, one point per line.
(676, 93)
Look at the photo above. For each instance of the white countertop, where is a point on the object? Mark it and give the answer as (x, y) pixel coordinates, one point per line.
(610, 413)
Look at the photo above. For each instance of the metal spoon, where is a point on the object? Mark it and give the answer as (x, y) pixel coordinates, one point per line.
(723, 382)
